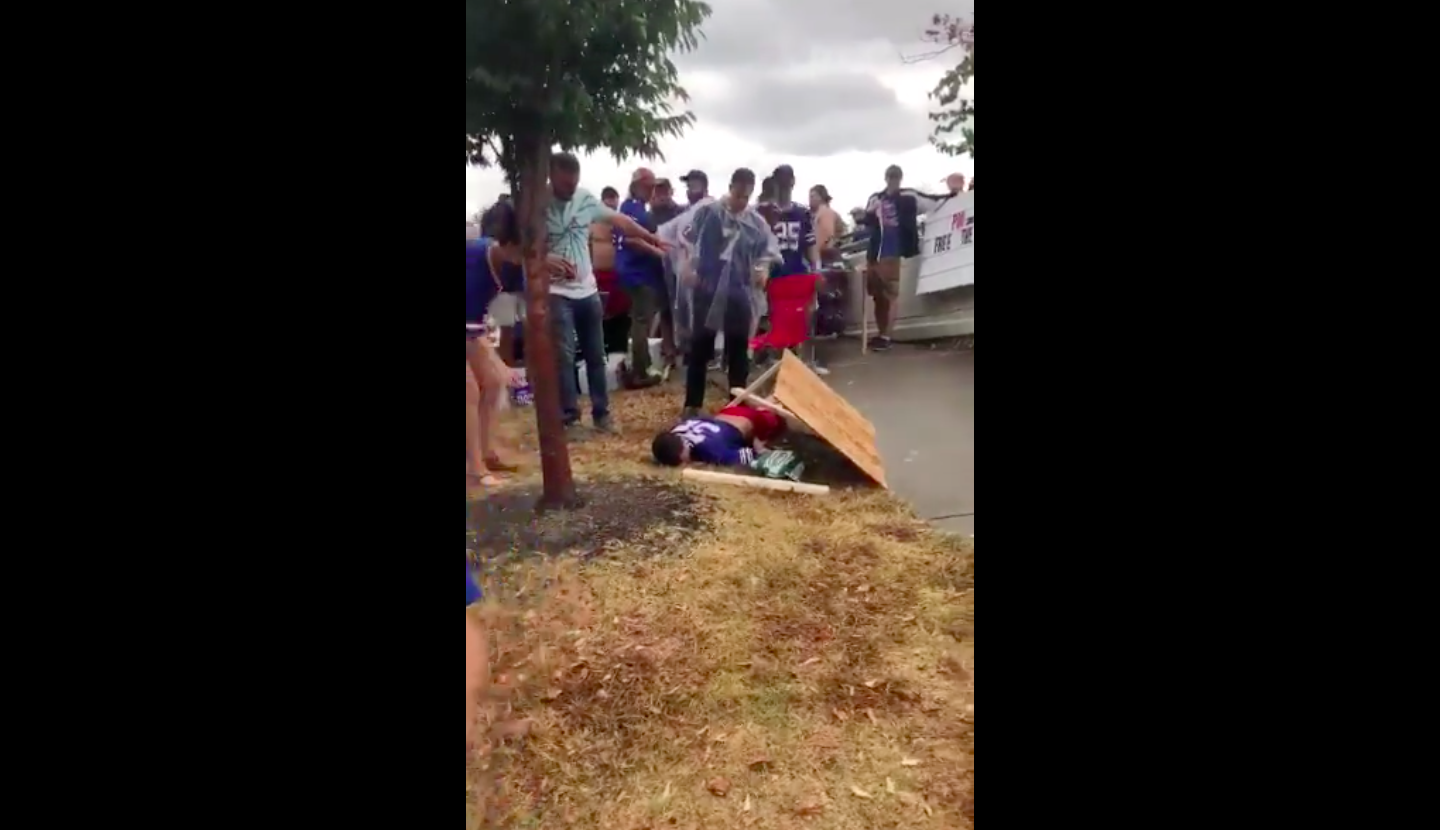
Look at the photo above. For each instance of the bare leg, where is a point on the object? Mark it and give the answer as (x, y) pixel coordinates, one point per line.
(474, 457)
(482, 365)
(477, 670)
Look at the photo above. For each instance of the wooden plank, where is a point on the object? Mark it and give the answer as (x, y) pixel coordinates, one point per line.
(778, 485)
(755, 387)
(792, 422)
(743, 398)
(830, 416)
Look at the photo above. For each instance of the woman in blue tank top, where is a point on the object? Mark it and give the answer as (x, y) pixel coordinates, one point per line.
(489, 263)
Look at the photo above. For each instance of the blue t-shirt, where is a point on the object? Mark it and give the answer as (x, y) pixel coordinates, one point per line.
(795, 229)
(634, 266)
(480, 286)
(887, 213)
(472, 591)
(715, 442)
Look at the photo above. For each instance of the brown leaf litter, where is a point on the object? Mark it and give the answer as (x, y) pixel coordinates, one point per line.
(834, 707)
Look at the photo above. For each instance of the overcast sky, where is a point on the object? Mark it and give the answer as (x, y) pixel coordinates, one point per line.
(818, 84)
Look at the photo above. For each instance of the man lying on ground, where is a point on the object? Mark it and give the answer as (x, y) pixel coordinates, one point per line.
(732, 438)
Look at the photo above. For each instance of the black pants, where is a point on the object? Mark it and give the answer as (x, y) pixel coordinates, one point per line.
(702, 347)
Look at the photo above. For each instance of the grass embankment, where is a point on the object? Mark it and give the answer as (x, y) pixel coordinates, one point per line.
(751, 661)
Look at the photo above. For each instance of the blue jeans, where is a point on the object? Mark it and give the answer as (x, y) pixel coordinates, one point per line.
(579, 329)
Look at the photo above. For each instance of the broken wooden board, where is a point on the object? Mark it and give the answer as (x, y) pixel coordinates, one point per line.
(830, 416)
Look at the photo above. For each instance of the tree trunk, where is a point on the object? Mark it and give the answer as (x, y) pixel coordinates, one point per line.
(541, 366)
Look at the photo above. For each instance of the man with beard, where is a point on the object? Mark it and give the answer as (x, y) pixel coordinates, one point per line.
(697, 186)
(575, 308)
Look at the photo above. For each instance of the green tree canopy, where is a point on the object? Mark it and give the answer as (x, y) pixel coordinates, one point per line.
(582, 75)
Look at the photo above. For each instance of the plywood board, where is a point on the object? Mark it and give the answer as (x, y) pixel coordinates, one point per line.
(830, 416)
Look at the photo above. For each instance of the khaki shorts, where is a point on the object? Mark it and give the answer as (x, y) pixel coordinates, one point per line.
(884, 279)
(507, 310)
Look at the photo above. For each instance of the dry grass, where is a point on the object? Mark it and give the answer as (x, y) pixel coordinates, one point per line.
(815, 654)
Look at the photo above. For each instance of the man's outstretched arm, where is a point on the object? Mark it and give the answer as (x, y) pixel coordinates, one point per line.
(928, 202)
(635, 232)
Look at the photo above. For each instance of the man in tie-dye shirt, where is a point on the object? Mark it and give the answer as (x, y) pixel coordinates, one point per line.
(575, 309)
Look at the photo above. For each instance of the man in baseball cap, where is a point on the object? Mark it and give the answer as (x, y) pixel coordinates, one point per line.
(697, 185)
(893, 214)
(641, 277)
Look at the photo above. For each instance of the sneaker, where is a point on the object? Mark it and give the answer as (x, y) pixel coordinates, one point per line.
(606, 425)
(880, 344)
(649, 380)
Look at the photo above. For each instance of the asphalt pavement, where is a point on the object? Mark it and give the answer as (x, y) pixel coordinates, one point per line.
(922, 403)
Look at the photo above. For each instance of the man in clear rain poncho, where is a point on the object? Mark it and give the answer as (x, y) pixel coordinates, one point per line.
(697, 192)
(725, 248)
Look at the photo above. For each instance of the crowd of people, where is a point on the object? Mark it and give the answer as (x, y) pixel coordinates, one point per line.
(696, 270)
(700, 268)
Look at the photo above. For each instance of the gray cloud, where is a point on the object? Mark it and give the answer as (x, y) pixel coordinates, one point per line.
(755, 32)
(815, 116)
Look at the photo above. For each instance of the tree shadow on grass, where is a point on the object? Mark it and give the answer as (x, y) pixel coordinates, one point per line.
(647, 514)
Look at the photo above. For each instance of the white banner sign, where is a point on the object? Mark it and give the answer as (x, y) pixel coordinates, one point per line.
(947, 246)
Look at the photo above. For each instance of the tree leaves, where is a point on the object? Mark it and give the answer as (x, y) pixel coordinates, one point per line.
(578, 74)
(955, 113)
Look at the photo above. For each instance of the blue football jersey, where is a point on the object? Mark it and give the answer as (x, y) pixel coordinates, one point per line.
(795, 228)
(715, 442)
